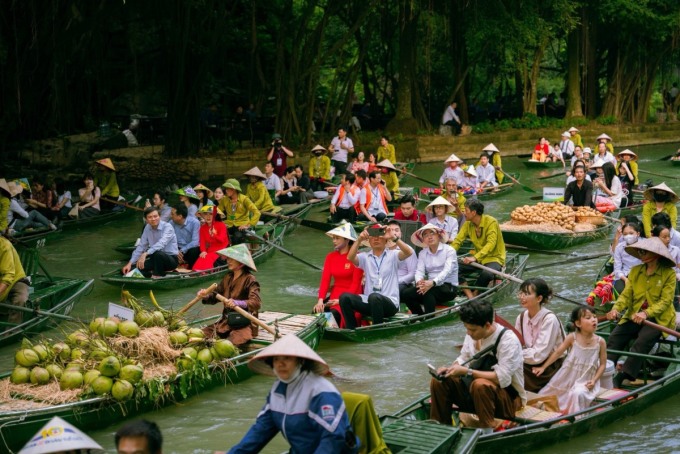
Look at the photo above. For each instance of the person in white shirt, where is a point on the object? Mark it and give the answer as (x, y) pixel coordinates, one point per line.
(407, 268)
(341, 146)
(490, 387)
(344, 200)
(603, 154)
(272, 182)
(373, 199)
(453, 170)
(451, 118)
(607, 185)
(436, 279)
(486, 174)
(566, 145)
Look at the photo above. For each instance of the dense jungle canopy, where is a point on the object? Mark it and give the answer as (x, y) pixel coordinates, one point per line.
(68, 65)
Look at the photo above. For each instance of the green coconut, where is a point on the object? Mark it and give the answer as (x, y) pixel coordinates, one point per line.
(144, 318)
(20, 375)
(132, 373)
(195, 332)
(108, 328)
(122, 390)
(26, 357)
(98, 355)
(54, 370)
(70, 379)
(62, 350)
(128, 328)
(109, 366)
(177, 323)
(102, 385)
(225, 349)
(178, 338)
(185, 363)
(95, 324)
(205, 356)
(42, 351)
(75, 365)
(78, 337)
(191, 352)
(39, 376)
(78, 353)
(90, 375)
(158, 318)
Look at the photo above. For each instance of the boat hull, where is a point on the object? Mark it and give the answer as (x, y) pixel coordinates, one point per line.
(554, 241)
(542, 165)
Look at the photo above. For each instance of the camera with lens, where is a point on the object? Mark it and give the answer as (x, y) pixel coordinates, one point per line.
(376, 231)
(278, 143)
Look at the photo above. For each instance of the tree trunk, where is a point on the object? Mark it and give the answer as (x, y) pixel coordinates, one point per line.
(573, 101)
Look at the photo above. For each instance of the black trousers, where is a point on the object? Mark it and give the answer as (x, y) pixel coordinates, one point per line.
(378, 307)
(455, 126)
(191, 255)
(378, 217)
(236, 236)
(340, 167)
(159, 263)
(643, 337)
(416, 301)
(348, 214)
(485, 277)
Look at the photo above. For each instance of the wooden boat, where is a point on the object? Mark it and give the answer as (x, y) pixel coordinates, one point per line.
(432, 193)
(21, 419)
(542, 165)
(104, 218)
(403, 322)
(174, 280)
(551, 241)
(52, 295)
(539, 429)
(418, 436)
(675, 162)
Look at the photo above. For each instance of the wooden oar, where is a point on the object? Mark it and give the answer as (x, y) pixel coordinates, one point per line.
(191, 303)
(658, 174)
(491, 188)
(561, 174)
(540, 251)
(316, 225)
(285, 251)
(569, 260)
(251, 317)
(656, 326)
(124, 204)
(526, 188)
(419, 178)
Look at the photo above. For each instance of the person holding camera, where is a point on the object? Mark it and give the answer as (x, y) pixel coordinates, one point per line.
(341, 146)
(278, 154)
(373, 199)
(381, 276)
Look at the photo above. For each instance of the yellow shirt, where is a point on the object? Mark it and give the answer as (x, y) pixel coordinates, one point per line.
(489, 245)
(658, 289)
(387, 152)
(108, 184)
(11, 270)
(4, 209)
(244, 211)
(320, 167)
(258, 194)
(391, 181)
(649, 210)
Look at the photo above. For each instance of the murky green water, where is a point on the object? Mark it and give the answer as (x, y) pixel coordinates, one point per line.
(393, 371)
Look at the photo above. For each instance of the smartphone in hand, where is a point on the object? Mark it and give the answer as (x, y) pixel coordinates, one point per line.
(433, 371)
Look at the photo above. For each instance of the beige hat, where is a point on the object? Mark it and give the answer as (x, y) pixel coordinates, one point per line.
(491, 147)
(603, 136)
(255, 172)
(344, 230)
(453, 158)
(573, 129)
(318, 148)
(202, 187)
(240, 253)
(417, 237)
(597, 163)
(288, 345)
(471, 170)
(654, 245)
(14, 188)
(566, 134)
(629, 153)
(106, 162)
(59, 436)
(649, 192)
(440, 201)
(5, 187)
(387, 164)
(587, 150)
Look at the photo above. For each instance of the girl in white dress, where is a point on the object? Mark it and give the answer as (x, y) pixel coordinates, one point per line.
(577, 383)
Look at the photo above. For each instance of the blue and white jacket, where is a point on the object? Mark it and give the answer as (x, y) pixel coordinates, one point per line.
(310, 414)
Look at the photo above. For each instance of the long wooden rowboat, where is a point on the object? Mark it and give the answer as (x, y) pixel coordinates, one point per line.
(542, 165)
(403, 322)
(547, 241)
(260, 252)
(675, 162)
(539, 429)
(21, 419)
(85, 223)
(433, 193)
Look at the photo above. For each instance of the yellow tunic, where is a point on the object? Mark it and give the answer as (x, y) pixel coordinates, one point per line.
(258, 194)
(649, 210)
(387, 152)
(10, 266)
(391, 181)
(658, 289)
(4, 209)
(489, 246)
(245, 212)
(576, 138)
(108, 184)
(320, 167)
(496, 162)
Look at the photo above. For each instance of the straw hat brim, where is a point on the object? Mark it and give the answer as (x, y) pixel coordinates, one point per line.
(629, 153)
(255, 172)
(440, 201)
(453, 158)
(344, 230)
(14, 188)
(604, 136)
(417, 236)
(491, 147)
(106, 162)
(240, 253)
(649, 192)
(232, 184)
(654, 245)
(318, 148)
(573, 129)
(471, 170)
(200, 187)
(288, 345)
(387, 164)
(59, 436)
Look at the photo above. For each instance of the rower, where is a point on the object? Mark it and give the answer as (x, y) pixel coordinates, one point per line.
(257, 191)
(575, 137)
(373, 199)
(389, 175)
(105, 179)
(14, 285)
(455, 198)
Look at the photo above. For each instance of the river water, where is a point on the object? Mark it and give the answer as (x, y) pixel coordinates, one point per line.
(392, 371)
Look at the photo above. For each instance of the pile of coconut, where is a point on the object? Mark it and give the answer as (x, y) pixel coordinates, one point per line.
(553, 218)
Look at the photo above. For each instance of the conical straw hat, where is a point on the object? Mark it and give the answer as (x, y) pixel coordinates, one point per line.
(14, 188)
(649, 192)
(471, 170)
(240, 253)
(387, 164)
(417, 237)
(453, 158)
(318, 148)
(202, 187)
(288, 345)
(491, 147)
(603, 136)
(5, 187)
(654, 245)
(573, 129)
(440, 201)
(187, 191)
(59, 436)
(344, 230)
(629, 153)
(255, 172)
(106, 162)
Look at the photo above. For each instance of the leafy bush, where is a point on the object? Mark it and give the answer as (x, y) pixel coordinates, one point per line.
(607, 120)
(483, 128)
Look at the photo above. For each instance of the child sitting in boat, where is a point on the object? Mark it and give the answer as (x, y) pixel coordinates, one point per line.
(541, 151)
(577, 383)
(469, 182)
(623, 261)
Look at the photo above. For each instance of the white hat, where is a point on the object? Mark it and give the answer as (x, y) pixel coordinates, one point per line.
(255, 172)
(566, 134)
(603, 136)
(597, 163)
(627, 152)
(387, 164)
(344, 230)
(318, 148)
(649, 192)
(288, 345)
(587, 150)
(471, 170)
(654, 245)
(453, 158)
(491, 147)
(440, 201)
(58, 436)
(573, 129)
(14, 188)
(417, 237)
